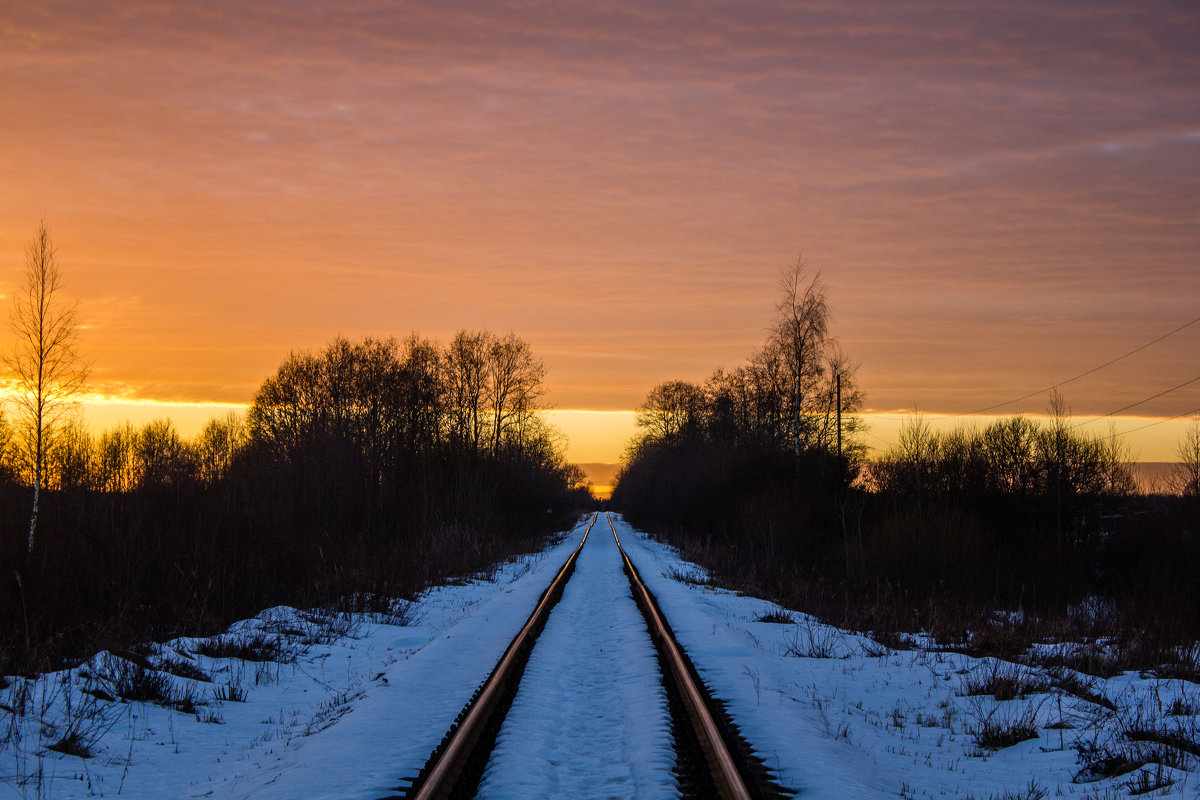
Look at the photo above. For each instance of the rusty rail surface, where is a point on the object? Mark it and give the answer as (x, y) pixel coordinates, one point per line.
(727, 779)
(450, 771)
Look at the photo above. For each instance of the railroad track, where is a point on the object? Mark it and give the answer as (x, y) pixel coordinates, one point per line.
(712, 759)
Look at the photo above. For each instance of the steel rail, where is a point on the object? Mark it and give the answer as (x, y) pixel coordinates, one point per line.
(440, 779)
(728, 780)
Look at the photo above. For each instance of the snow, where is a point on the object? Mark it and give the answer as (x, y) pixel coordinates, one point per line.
(364, 702)
(347, 719)
(870, 723)
(590, 717)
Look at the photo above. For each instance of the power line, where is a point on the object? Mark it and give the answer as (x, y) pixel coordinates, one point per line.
(1138, 403)
(1161, 421)
(1094, 419)
(1083, 374)
(1077, 377)
(878, 438)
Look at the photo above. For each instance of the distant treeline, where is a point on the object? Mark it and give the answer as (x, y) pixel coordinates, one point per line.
(745, 473)
(752, 456)
(359, 473)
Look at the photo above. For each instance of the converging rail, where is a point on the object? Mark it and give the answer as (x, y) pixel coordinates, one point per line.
(456, 765)
(728, 781)
(712, 760)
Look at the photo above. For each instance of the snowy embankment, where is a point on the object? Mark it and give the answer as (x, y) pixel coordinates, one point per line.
(836, 715)
(360, 706)
(360, 701)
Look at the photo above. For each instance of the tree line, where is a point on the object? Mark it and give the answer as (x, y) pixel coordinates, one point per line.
(705, 452)
(760, 473)
(360, 472)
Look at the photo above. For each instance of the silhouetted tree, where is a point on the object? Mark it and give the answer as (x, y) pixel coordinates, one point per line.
(45, 361)
(287, 409)
(8, 456)
(116, 470)
(670, 410)
(466, 385)
(514, 386)
(346, 481)
(800, 338)
(161, 456)
(1185, 477)
(423, 399)
(72, 458)
(219, 442)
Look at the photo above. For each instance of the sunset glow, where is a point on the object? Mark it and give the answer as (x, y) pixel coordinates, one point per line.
(999, 196)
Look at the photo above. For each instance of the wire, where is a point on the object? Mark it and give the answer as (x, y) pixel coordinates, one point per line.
(1093, 419)
(1160, 421)
(1138, 403)
(1075, 378)
(878, 438)
(1083, 374)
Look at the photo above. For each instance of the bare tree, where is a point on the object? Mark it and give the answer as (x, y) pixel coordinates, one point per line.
(8, 468)
(514, 386)
(161, 457)
(218, 443)
(1186, 474)
(801, 335)
(670, 409)
(466, 373)
(70, 463)
(116, 471)
(44, 363)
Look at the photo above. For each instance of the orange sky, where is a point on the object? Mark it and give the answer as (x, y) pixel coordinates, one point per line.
(1000, 195)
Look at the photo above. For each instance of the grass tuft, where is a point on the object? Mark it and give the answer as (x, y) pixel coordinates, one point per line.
(135, 683)
(1004, 681)
(71, 744)
(812, 639)
(999, 734)
(210, 716)
(230, 693)
(1183, 707)
(1180, 738)
(1070, 682)
(1121, 758)
(690, 575)
(183, 668)
(252, 647)
(1148, 781)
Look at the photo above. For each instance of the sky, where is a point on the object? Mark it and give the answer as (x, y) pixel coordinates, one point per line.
(999, 196)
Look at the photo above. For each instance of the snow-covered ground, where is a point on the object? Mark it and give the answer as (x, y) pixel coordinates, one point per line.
(363, 701)
(590, 715)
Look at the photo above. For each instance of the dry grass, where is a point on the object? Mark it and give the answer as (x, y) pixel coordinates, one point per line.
(249, 647)
(138, 684)
(1004, 680)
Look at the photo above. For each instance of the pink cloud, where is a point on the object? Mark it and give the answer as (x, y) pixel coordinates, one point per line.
(997, 193)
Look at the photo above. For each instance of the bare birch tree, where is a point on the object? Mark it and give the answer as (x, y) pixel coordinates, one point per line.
(44, 363)
(801, 333)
